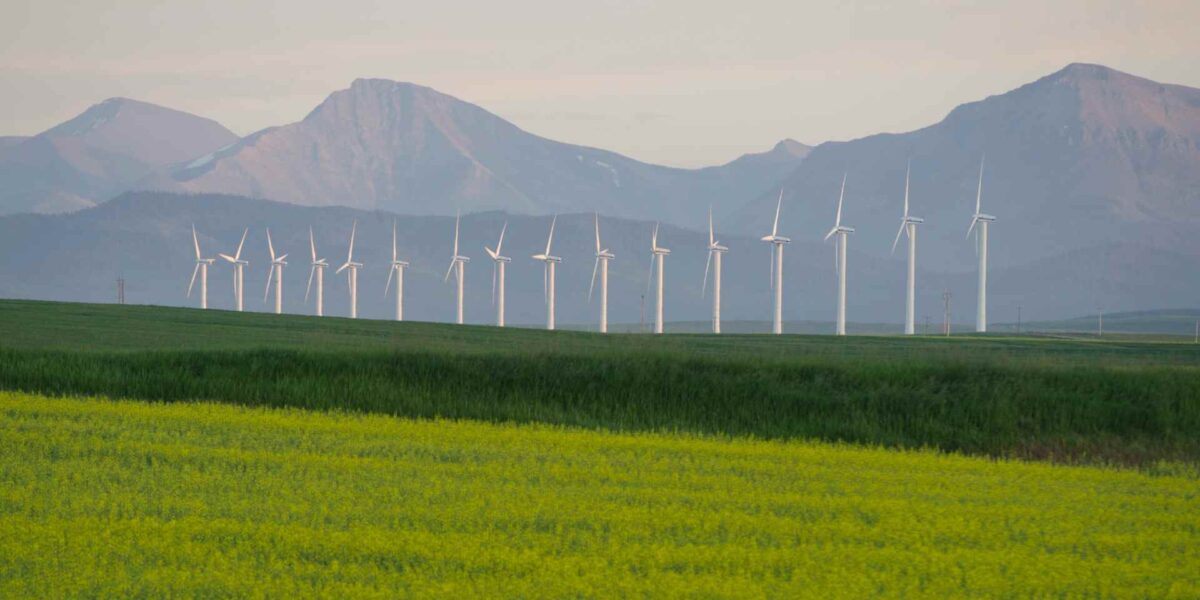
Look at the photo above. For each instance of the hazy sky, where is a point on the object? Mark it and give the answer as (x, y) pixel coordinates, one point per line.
(677, 82)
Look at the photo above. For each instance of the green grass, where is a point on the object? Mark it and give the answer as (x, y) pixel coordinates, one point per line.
(130, 499)
(1125, 402)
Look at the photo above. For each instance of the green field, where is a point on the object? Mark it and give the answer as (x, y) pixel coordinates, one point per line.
(129, 499)
(1125, 402)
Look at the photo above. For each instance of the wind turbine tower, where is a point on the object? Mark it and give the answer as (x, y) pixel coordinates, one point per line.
(397, 269)
(839, 259)
(352, 274)
(238, 272)
(715, 250)
(777, 242)
(318, 269)
(499, 261)
(981, 234)
(276, 272)
(201, 268)
(602, 258)
(458, 265)
(548, 275)
(658, 255)
(908, 224)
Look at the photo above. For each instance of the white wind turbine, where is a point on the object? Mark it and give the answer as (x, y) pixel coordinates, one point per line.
(548, 275)
(715, 250)
(498, 263)
(657, 254)
(318, 269)
(909, 224)
(839, 259)
(602, 258)
(777, 242)
(981, 219)
(276, 272)
(461, 263)
(238, 269)
(396, 268)
(201, 268)
(352, 275)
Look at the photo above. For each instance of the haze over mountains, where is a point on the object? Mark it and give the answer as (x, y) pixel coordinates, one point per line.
(98, 154)
(1094, 176)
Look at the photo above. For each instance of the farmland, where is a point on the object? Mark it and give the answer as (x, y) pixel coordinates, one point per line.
(132, 499)
(1120, 402)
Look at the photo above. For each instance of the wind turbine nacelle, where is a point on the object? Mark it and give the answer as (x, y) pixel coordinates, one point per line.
(605, 254)
(462, 259)
(399, 263)
(662, 251)
(914, 220)
(776, 239)
(983, 217)
(844, 229)
(498, 258)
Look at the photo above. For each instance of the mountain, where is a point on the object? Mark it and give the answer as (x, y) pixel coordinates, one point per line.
(144, 237)
(384, 145)
(1082, 158)
(98, 154)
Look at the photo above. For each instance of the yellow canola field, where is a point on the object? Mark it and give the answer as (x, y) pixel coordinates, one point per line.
(125, 499)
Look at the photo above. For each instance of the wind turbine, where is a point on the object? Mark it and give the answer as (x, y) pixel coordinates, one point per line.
(397, 269)
(839, 259)
(715, 250)
(602, 258)
(657, 254)
(201, 268)
(498, 263)
(238, 266)
(276, 272)
(909, 224)
(352, 275)
(461, 263)
(548, 275)
(777, 242)
(981, 219)
(318, 269)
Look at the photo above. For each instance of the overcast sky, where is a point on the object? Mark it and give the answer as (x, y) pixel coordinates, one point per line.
(677, 82)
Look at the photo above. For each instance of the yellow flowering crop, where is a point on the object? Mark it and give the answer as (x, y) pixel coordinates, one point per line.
(128, 499)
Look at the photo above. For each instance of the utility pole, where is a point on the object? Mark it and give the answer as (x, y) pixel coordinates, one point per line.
(120, 290)
(946, 313)
(642, 327)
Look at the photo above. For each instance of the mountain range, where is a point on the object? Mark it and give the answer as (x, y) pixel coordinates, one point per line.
(1094, 176)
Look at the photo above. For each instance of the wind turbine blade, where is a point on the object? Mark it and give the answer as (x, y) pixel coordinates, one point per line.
(654, 239)
(974, 220)
(238, 254)
(270, 276)
(898, 234)
(597, 242)
(341, 268)
(906, 173)
(711, 236)
(282, 257)
(353, 232)
(194, 272)
(312, 244)
(388, 285)
(546, 282)
(835, 257)
(227, 257)
(448, 271)
(979, 192)
(456, 218)
(828, 235)
(704, 283)
(841, 196)
(595, 267)
(393, 241)
(500, 244)
(650, 274)
(550, 239)
(308, 288)
(196, 242)
(270, 246)
(494, 283)
(778, 206)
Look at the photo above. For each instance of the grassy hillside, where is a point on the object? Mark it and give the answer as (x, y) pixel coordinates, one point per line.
(1125, 402)
(127, 499)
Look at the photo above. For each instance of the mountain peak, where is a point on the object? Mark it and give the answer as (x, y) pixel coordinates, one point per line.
(792, 147)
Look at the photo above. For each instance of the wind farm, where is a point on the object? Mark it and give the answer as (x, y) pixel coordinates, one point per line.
(1010, 414)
